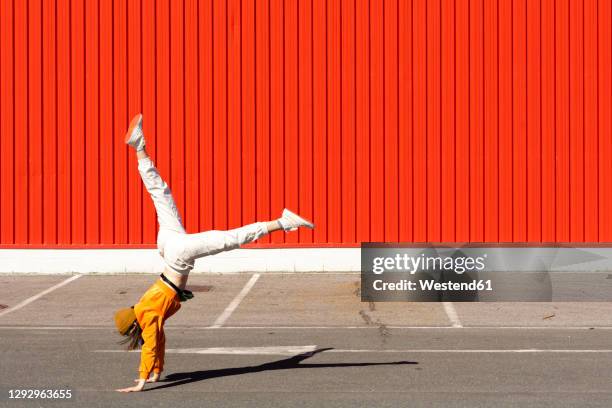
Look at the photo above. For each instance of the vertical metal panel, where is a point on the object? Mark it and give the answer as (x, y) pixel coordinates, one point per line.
(78, 129)
(291, 133)
(149, 107)
(64, 145)
(432, 120)
(476, 119)
(490, 119)
(305, 114)
(591, 171)
(106, 123)
(177, 82)
(377, 143)
(604, 119)
(390, 118)
(519, 120)
(277, 111)
(562, 117)
(348, 151)
(534, 123)
(205, 81)
(7, 129)
(20, 98)
(92, 123)
(334, 124)
(234, 117)
(219, 158)
(192, 153)
(262, 110)
(462, 121)
(35, 129)
(319, 117)
(548, 120)
(120, 118)
(576, 127)
(448, 192)
(405, 125)
(49, 139)
(451, 120)
(134, 105)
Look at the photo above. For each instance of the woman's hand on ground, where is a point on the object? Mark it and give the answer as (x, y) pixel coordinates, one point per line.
(138, 387)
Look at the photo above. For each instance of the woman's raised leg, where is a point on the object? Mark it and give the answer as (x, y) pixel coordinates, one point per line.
(213, 242)
(167, 213)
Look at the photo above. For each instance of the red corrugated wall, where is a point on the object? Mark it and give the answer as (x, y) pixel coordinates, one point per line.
(395, 120)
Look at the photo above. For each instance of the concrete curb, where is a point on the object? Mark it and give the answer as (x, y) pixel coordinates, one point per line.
(61, 261)
(293, 260)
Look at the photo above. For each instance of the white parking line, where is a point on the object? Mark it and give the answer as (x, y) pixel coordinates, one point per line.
(264, 351)
(451, 312)
(293, 350)
(297, 328)
(234, 303)
(39, 295)
(402, 327)
(474, 351)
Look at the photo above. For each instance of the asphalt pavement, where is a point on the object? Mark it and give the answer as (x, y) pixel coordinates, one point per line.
(305, 340)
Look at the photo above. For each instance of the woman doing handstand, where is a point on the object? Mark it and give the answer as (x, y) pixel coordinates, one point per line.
(143, 323)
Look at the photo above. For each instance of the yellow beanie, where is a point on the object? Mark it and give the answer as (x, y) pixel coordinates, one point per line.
(124, 318)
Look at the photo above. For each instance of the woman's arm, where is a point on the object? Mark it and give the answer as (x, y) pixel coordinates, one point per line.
(149, 353)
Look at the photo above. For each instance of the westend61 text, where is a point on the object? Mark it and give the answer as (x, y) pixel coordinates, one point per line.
(431, 284)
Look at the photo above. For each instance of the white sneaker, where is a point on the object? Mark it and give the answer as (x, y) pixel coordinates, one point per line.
(290, 221)
(134, 136)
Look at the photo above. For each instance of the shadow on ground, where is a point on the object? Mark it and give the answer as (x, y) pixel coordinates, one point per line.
(176, 379)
